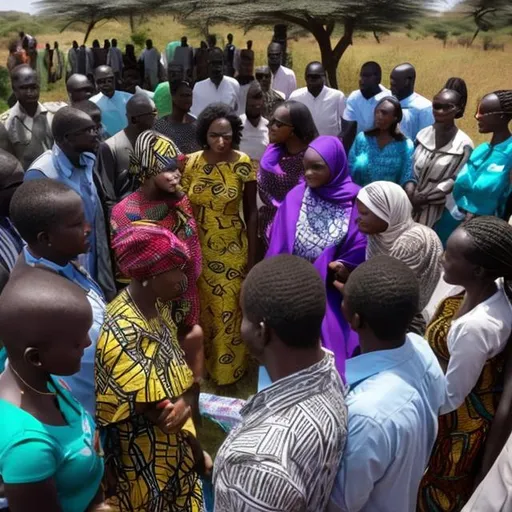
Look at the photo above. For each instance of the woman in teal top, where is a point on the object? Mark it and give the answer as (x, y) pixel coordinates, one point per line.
(384, 153)
(483, 186)
(49, 457)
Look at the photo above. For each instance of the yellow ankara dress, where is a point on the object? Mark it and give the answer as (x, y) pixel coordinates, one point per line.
(140, 362)
(216, 193)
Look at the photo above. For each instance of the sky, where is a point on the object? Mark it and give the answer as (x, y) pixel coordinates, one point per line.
(27, 5)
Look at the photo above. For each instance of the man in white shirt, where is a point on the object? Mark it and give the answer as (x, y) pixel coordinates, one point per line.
(396, 390)
(360, 106)
(217, 88)
(325, 104)
(255, 127)
(283, 78)
(417, 110)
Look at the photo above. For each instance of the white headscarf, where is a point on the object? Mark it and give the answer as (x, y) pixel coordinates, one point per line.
(416, 245)
(390, 203)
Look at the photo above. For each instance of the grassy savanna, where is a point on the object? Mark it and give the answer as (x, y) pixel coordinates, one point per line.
(483, 71)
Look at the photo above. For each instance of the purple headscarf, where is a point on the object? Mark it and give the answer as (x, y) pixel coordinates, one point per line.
(336, 333)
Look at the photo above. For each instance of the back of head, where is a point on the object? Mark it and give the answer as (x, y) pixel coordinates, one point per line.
(505, 98)
(303, 124)
(42, 308)
(67, 120)
(459, 86)
(11, 171)
(37, 207)
(384, 293)
(90, 108)
(492, 245)
(287, 293)
(139, 104)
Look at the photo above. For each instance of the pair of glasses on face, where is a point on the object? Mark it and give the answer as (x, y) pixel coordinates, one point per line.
(261, 76)
(314, 76)
(279, 124)
(445, 107)
(153, 113)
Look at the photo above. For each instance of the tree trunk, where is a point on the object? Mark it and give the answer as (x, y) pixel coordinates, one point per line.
(132, 23)
(90, 27)
(376, 36)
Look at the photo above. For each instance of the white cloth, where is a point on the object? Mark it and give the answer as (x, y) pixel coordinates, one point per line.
(254, 138)
(242, 100)
(205, 93)
(140, 90)
(115, 59)
(393, 407)
(495, 492)
(284, 81)
(361, 110)
(151, 60)
(473, 338)
(327, 108)
(417, 114)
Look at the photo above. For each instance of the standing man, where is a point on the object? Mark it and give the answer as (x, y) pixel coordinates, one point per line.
(229, 56)
(58, 61)
(217, 88)
(72, 60)
(325, 104)
(115, 60)
(255, 126)
(79, 88)
(284, 454)
(115, 152)
(417, 110)
(150, 59)
(28, 122)
(271, 97)
(360, 106)
(184, 55)
(396, 391)
(162, 97)
(112, 103)
(283, 78)
(71, 161)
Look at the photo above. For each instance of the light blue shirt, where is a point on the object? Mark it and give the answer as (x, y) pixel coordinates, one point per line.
(82, 383)
(54, 164)
(417, 114)
(113, 111)
(393, 405)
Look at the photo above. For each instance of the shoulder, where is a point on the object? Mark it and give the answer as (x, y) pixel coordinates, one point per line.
(288, 71)
(462, 139)
(298, 93)
(126, 96)
(425, 135)
(354, 96)
(43, 164)
(201, 84)
(422, 103)
(334, 93)
(54, 106)
(6, 115)
(96, 98)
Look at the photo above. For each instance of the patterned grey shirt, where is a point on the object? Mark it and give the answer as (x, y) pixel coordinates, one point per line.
(285, 454)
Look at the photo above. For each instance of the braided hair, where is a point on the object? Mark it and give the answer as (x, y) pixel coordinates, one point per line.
(459, 86)
(287, 293)
(505, 98)
(492, 245)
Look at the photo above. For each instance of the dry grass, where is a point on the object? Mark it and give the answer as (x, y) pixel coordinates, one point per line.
(483, 71)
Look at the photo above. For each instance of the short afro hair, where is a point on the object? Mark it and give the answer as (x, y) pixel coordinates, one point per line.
(385, 293)
(218, 111)
(35, 207)
(287, 293)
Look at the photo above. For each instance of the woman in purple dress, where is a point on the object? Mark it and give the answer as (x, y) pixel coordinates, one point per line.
(318, 222)
(291, 129)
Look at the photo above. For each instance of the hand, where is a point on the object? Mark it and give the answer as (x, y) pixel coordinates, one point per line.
(173, 415)
(339, 271)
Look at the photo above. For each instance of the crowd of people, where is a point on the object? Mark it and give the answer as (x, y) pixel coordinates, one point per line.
(158, 231)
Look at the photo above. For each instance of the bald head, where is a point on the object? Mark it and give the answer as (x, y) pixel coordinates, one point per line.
(25, 87)
(141, 112)
(105, 81)
(79, 88)
(46, 317)
(403, 78)
(274, 56)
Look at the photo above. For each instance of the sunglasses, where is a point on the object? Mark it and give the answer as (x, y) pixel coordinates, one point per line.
(260, 76)
(279, 124)
(314, 76)
(443, 106)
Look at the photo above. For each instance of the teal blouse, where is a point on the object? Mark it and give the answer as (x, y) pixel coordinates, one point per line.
(368, 162)
(31, 451)
(483, 185)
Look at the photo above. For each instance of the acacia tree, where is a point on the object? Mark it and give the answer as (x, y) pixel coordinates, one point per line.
(489, 14)
(331, 22)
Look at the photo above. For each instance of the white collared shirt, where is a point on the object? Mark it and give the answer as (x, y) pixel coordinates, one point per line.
(284, 81)
(393, 406)
(362, 110)
(206, 92)
(327, 108)
(254, 138)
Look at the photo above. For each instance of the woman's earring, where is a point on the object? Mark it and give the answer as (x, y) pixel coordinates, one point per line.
(49, 244)
(144, 283)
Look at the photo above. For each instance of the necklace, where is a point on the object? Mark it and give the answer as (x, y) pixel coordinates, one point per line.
(29, 386)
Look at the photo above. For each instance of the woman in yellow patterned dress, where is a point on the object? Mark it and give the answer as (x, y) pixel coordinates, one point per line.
(219, 181)
(143, 384)
(468, 334)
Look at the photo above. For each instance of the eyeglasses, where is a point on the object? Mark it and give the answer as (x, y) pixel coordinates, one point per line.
(153, 113)
(443, 106)
(260, 76)
(279, 124)
(314, 76)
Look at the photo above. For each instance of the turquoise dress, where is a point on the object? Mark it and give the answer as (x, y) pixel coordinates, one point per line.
(482, 186)
(31, 451)
(368, 162)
